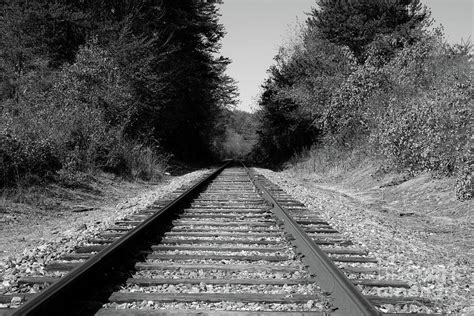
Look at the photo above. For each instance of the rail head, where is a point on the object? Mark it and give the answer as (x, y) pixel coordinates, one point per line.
(347, 297)
(54, 299)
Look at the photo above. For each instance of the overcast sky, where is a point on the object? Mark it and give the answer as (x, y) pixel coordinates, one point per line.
(256, 28)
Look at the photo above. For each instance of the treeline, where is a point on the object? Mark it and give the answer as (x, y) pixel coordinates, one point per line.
(371, 75)
(239, 136)
(112, 85)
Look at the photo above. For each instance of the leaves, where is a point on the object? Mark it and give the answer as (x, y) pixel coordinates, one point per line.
(85, 84)
(396, 89)
(356, 24)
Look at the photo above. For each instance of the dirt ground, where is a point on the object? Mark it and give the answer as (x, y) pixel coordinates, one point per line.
(423, 204)
(30, 217)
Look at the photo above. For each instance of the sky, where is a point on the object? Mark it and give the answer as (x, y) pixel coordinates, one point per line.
(257, 28)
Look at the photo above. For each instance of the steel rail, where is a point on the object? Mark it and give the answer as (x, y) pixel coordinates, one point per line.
(55, 300)
(347, 298)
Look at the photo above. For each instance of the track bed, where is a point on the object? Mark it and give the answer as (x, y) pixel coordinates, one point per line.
(234, 242)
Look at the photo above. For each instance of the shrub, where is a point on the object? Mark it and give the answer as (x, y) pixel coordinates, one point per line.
(426, 123)
(464, 187)
(74, 125)
(348, 116)
(24, 152)
(137, 160)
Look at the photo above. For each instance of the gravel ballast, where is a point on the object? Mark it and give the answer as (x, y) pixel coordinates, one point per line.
(223, 306)
(402, 253)
(75, 232)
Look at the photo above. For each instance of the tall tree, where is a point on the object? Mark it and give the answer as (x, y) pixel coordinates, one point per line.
(195, 95)
(147, 72)
(356, 23)
(284, 127)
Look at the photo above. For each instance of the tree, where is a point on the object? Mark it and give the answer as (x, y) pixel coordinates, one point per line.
(196, 79)
(297, 93)
(239, 136)
(21, 49)
(284, 129)
(124, 76)
(357, 23)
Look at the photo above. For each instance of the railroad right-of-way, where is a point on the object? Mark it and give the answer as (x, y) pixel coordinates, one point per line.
(237, 245)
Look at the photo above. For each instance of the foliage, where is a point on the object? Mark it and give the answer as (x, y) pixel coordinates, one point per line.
(19, 157)
(137, 160)
(108, 84)
(74, 125)
(400, 93)
(430, 129)
(356, 24)
(195, 79)
(239, 138)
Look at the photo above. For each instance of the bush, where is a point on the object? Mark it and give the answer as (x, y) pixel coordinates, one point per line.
(464, 187)
(137, 160)
(425, 125)
(348, 118)
(413, 109)
(74, 125)
(408, 103)
(25, 157)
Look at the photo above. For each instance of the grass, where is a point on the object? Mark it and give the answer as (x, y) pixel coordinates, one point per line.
(370, 182)
(327, 163)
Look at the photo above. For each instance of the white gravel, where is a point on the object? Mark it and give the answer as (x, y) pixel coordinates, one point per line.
(224, 306)
(220, 274)
(230, 239)
(287, 263)
(285, 252)
(32, 261)
(223, 246)
(242, 228)
(224, 288)
(401, 253)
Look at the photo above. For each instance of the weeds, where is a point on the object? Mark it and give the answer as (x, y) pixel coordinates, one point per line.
(329, 162)
(142, 162)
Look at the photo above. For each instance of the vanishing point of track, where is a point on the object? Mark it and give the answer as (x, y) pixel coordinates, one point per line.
(232, 243)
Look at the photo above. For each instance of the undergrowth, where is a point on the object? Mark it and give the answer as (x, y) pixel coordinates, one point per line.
(333, 164)
(328, 163)
(68, 124)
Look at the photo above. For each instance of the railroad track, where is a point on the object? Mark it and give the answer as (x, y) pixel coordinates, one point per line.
(232, 242)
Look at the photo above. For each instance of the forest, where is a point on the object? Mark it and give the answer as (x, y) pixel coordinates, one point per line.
(126, 86)
(121, 86)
